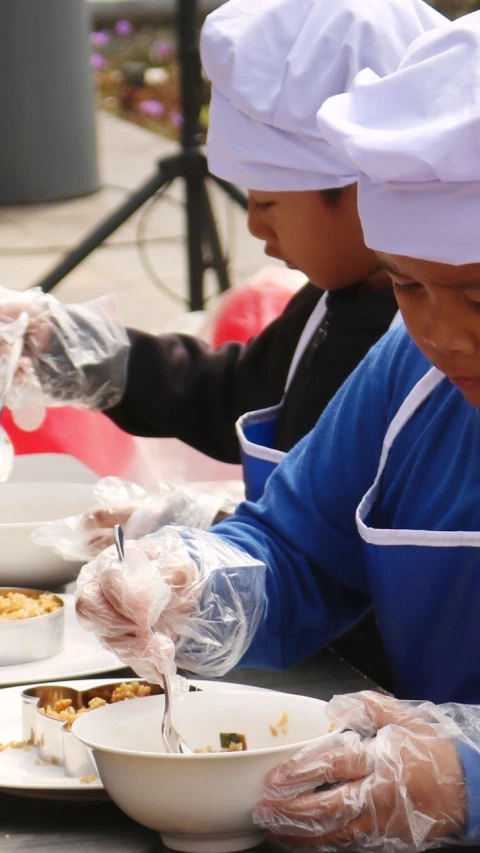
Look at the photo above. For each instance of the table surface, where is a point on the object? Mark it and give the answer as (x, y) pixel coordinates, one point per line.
(46, 826)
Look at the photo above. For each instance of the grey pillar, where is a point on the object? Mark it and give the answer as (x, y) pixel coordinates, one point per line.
(47, 132)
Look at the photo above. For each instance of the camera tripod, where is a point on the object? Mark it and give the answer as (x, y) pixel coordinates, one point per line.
(202, 241)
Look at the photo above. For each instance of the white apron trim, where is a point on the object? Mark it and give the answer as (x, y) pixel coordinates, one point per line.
(430, 538)
(311, 326)
(397, 321)
(258, 451)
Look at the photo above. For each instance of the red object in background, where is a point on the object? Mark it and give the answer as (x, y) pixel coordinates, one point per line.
(88, 436)
(245, 310)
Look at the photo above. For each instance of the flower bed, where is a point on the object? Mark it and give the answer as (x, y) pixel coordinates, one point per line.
(137, 74)
(137, 77)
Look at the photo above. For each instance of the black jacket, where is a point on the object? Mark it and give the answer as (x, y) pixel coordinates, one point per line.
(178, 386)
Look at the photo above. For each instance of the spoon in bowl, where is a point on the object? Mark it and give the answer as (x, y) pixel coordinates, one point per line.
(173, 742)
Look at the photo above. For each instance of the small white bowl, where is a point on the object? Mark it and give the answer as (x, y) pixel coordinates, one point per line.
(200, 803)
(23, 506)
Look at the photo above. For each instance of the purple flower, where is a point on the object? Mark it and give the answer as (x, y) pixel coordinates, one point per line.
(123, 28)
(97, 61)
(154, 109)
(161, 50)
(100, 38)
(176, 119)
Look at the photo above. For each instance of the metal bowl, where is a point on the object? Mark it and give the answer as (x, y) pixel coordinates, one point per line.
(34, 638)
(53, 738)
(48, 694)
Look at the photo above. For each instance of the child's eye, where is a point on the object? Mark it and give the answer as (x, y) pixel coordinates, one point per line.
(263, 205)
(407, 286)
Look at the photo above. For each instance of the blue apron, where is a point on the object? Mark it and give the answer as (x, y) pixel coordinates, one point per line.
(425, 587)
(256, 430)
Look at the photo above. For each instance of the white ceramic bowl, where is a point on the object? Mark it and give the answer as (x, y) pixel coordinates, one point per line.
(50, 468)
(199, 803)
(23, 506)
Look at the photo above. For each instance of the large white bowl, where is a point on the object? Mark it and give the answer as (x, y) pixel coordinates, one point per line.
(50, 468)
(23, 506)
(199, 803)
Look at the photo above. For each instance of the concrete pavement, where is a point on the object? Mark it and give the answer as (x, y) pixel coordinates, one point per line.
(34, 237)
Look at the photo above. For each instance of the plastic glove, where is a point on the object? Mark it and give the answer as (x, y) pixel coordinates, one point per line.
(395, 782)
(59, 354)
(139, 512)
(202, 597)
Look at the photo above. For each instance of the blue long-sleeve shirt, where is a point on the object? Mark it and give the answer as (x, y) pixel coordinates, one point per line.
(304, 527)
(318, 581)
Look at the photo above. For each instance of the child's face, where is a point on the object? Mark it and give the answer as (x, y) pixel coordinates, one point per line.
(324, 240)
(440, 304)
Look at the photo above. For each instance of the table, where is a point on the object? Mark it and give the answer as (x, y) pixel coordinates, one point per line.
(47, 826)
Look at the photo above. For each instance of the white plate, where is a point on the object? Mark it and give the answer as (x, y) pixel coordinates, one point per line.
(19, 774)
(82, 655)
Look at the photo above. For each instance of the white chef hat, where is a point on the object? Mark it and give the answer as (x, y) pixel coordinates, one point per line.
(272, 63)
(415, 138)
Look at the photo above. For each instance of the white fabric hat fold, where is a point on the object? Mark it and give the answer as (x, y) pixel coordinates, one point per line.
(296, 163)
(428, 220)
(415, 139)
(272, 63)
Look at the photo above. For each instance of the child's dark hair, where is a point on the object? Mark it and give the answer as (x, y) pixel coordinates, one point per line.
(331, 196)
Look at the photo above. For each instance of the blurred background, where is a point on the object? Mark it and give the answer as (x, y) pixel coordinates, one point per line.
(91, 106)
(91, 103)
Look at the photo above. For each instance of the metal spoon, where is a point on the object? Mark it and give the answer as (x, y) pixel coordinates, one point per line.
(173, 742)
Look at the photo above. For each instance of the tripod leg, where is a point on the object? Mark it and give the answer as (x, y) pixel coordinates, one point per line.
(232, 191)
(212, 240)
(104, 229)
(195, 216)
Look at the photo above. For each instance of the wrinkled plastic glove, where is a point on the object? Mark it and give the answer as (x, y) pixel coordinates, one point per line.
(202, 597)
(395, 781)
(68, 354)
(140, 513)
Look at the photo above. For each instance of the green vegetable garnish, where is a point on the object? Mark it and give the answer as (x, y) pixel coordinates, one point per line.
(226, 738)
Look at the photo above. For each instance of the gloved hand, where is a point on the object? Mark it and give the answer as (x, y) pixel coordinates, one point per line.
(139, 512)
(60, 354)
(202, 597)
(394, 781)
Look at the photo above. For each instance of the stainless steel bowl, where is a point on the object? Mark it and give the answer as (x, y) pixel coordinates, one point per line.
(47, 694)
(34, 638)
(55, 743)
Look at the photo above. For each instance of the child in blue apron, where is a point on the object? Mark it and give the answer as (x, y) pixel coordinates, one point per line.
(305, 213)
(302, 193)
(379, 504)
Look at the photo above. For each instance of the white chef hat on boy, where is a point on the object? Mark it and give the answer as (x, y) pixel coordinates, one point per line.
(272, 63)
(415, 137)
